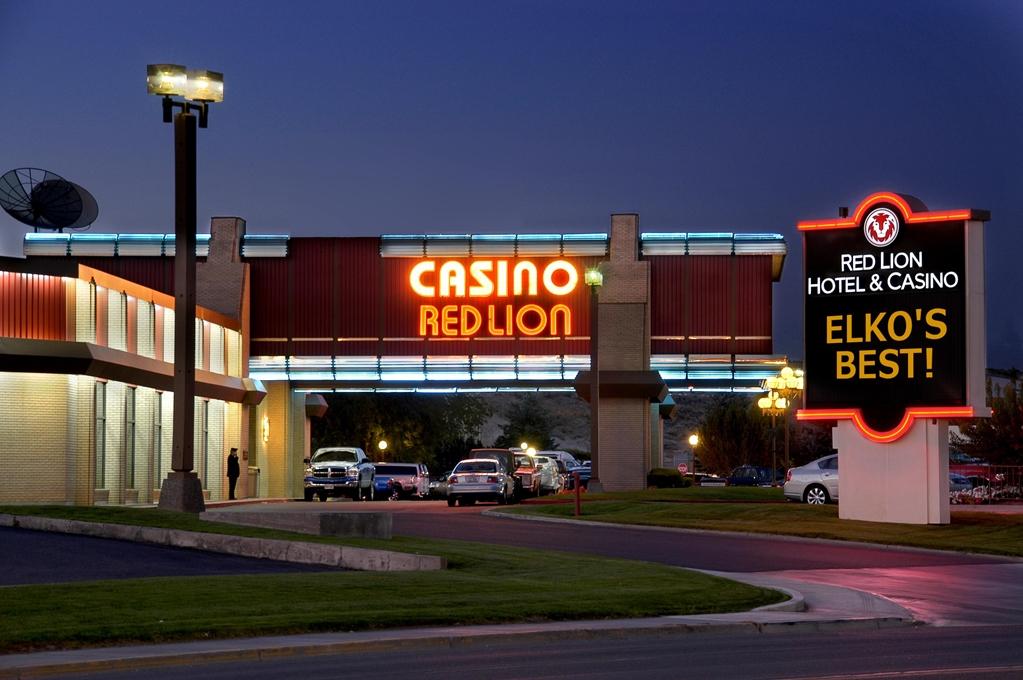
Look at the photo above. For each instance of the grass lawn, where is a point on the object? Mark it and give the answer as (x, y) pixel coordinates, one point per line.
(483, 584)
(969, 531)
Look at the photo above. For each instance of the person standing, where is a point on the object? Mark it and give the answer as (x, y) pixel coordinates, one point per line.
(233, 470)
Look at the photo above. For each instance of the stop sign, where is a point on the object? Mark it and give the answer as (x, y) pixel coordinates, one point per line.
(683, 469)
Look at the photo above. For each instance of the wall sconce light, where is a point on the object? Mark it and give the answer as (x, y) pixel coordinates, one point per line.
(266, 429)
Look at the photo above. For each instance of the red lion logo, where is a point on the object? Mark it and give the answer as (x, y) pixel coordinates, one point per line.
(881, 227)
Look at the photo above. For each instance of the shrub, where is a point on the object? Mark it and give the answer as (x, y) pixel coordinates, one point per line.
(667, 478)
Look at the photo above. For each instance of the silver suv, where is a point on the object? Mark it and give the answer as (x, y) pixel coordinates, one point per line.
(815, 483)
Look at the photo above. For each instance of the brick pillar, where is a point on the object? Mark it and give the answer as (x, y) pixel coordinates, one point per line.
(221, 279)
(624, 345)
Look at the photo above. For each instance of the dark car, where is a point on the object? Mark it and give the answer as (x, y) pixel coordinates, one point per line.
(754, 475)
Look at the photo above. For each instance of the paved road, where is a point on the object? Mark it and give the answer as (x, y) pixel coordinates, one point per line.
(715, 551)
(42, 557)
(941, 588)
(920, 653)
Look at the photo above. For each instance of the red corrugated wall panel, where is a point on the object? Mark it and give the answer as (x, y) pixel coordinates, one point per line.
(310, 275)
(269, 306)
(153, 272)
(357, 281)
(708, 301)
(32, 306)
(753, 316)
(669, 286)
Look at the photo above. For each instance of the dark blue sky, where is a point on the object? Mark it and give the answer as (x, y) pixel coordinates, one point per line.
(348, 118)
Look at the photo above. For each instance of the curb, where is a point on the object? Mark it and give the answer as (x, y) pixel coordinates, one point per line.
(505, 514)
(299, 552)
(262, 649)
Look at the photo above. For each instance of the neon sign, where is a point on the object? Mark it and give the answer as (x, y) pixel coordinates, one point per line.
(885, 317)
(486, 295)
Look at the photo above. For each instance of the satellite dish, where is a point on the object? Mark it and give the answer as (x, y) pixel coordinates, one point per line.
(45, 200)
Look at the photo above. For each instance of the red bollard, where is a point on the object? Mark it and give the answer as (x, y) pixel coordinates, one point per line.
(578, 494)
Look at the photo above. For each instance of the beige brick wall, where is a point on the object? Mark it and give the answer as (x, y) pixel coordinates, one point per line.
(624, 441)
(272, 455)
(623, 345)
(34, 465)
(234, 353)
(85, 312)
(79, 442)
(281, 458)
(216, 360)
(145, 329)
(117, 320)
(168, 335)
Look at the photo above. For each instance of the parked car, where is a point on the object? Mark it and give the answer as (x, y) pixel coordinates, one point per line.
(439, 485)
(478, 479)
(958, 482)
(565, 457)
(585, 472)
(402, 480)
(562, 473)
(815, 483)
(550, 477)
(753, 475)
(967, 465)
(339, 471)
(517, 465)
(979, 481)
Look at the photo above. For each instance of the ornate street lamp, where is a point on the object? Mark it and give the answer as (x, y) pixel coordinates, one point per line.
(782, 390)
(182, 490)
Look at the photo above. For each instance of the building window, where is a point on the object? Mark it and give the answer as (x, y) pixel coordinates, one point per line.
(200, 340)
(129, 437)
(204, 444)
(158, 438)
(100, 401)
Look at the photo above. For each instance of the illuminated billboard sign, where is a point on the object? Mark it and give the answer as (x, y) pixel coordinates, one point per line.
(885, 316)
(495, 298)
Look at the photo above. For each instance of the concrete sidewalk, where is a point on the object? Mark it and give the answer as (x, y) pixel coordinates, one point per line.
(810, 608)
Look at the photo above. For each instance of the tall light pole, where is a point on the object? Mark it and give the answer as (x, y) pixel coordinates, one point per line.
(781, 391)
(182, 490)
(594, 278)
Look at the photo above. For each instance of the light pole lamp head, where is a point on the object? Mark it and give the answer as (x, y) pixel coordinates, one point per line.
(593, 277)
(694, 439)
(166, 80)
(205, 86)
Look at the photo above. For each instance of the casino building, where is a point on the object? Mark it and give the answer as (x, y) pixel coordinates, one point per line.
(86, 342)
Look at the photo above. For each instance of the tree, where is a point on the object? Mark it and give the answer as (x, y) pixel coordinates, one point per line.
(810, 440)
(734, 432)
(424, 429)
(527, 422)
(998, 439)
